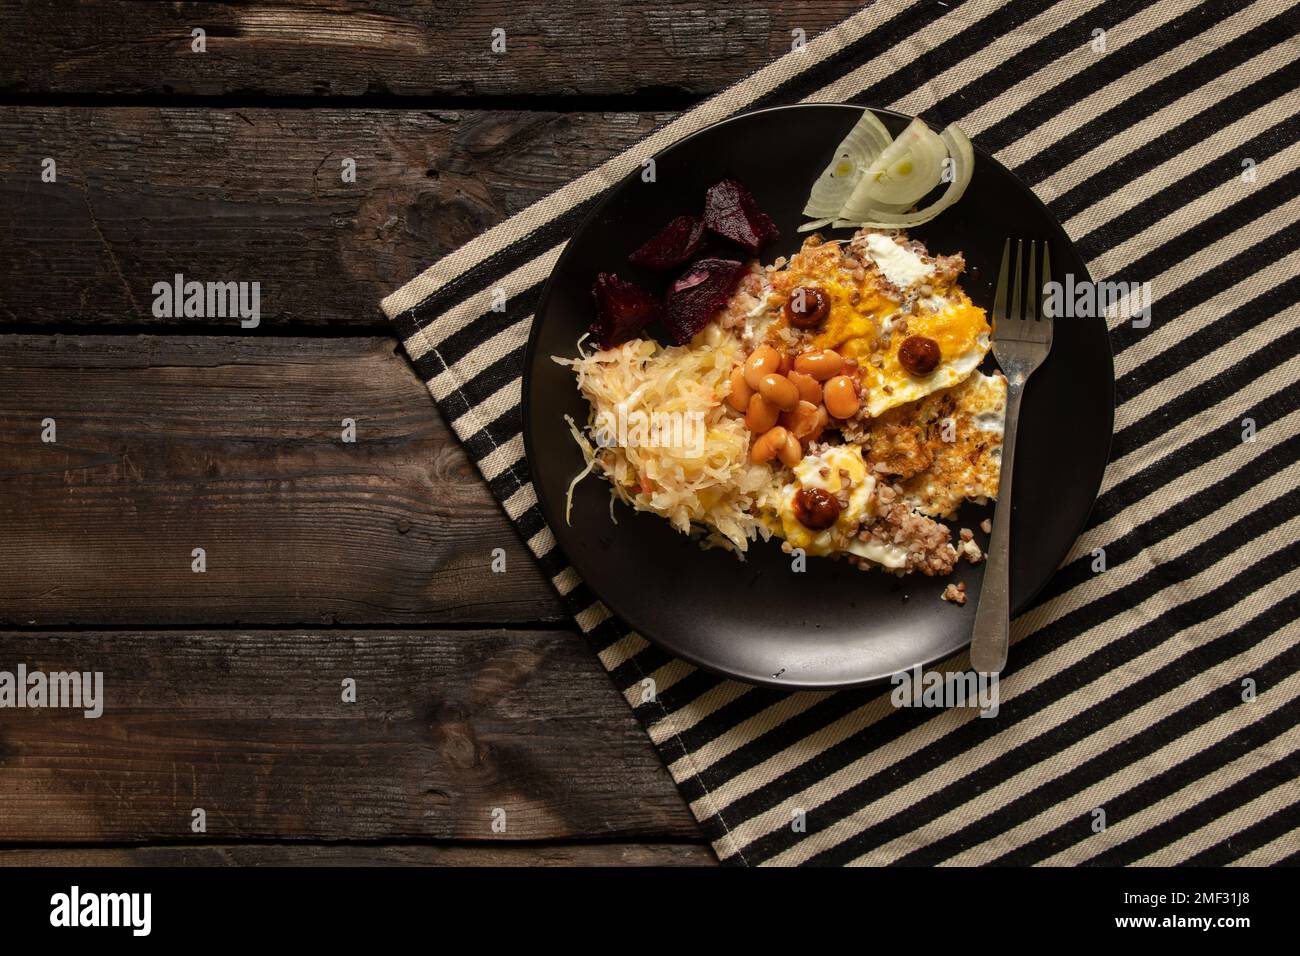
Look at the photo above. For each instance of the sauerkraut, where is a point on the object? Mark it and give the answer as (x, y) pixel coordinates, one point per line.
(661, 432)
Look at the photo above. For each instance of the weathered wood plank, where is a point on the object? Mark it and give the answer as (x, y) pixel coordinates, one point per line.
(400, 47)
(234, 445)
(343, 854)
(257, 195)
(447, 727)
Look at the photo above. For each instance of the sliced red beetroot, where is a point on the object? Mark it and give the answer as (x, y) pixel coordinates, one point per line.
(622, 310)
(731, 212)
(698, 295)
(674, 244)
(713, 246)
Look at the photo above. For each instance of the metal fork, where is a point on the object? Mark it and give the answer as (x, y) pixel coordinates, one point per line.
(1022, 337)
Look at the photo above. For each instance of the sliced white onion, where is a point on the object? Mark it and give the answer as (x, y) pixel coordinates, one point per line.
(867, 140)
(814, 224)
(963, 156)
(900, 175)
(910, 167)
(839, 223)
(893, 208)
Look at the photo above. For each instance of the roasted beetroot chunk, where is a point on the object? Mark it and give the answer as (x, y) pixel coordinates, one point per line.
(731, 212)
(713, 246)
(674, 244)
(623, 309)
(697, 296)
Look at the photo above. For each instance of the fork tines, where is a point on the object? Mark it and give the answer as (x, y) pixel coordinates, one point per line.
(1027, 318)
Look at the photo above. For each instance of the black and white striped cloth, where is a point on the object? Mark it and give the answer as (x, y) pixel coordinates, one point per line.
(1164, 137)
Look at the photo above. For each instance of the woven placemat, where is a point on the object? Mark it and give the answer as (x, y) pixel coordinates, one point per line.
(1148, 713)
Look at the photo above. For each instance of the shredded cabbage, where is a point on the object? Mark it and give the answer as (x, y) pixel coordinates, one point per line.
(704, 482)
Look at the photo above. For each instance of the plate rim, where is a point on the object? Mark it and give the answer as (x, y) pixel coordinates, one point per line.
(530, 355)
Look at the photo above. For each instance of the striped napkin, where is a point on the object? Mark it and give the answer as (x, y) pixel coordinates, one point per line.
(1149, 711)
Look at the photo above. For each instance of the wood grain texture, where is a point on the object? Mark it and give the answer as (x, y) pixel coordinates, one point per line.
(325, 560)
(343, 854)
(257, 195)
(447, 727)
(400, 47)
(234, 445)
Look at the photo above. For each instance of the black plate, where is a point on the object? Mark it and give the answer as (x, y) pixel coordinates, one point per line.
(831, 626)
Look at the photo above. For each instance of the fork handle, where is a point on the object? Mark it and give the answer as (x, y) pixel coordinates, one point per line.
(991, 636)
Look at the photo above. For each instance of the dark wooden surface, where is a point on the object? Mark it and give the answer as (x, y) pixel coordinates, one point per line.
(325, 560)
(257, 194)
(251, 726)
(362, 854)
(233, 444)
(346, 48)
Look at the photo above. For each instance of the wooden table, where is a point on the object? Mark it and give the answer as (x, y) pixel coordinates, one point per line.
(325, 560)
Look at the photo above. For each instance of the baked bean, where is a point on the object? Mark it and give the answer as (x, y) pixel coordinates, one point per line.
(768, 445)
(810, 390)
(779, 391)
(820, 365)
(841, 397)
(760, 416)
(787, 363)
(791, 452)
(823, 420)
(806, 422)
(764, 360)
(740, 390)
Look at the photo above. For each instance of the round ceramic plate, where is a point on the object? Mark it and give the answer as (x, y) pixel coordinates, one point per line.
(832, 625)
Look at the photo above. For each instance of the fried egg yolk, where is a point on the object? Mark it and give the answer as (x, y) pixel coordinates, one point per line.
(852, 324)
(839, 471)
(949, 319)
(876, 304)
